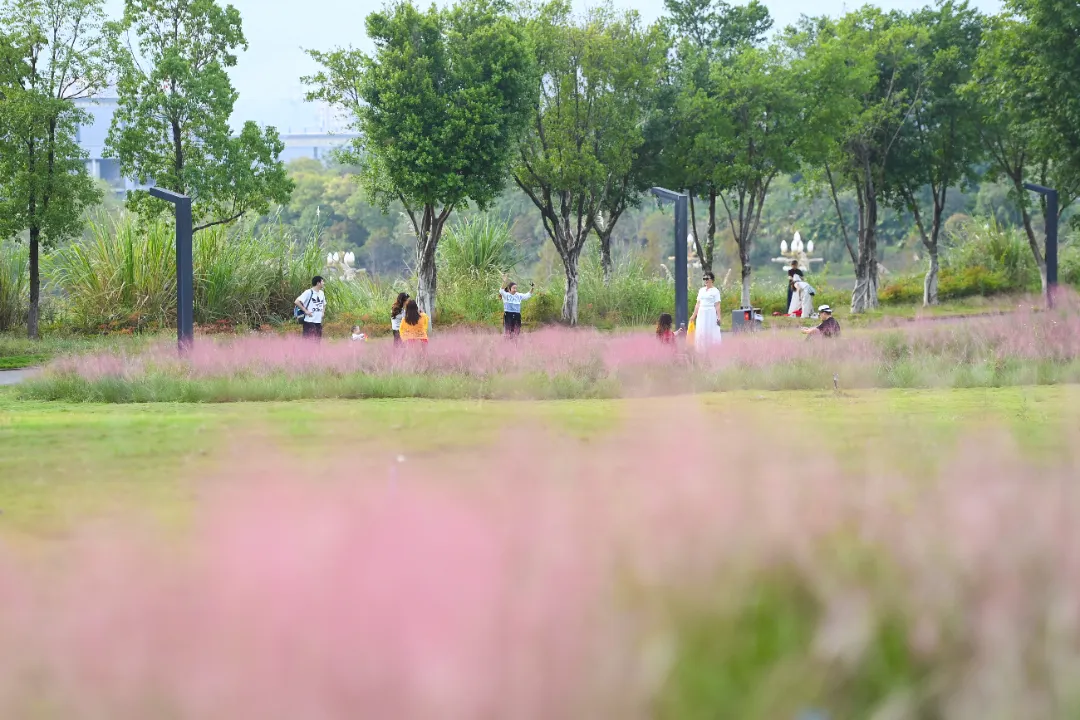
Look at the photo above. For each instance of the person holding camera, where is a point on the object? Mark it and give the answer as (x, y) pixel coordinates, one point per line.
(512, 300)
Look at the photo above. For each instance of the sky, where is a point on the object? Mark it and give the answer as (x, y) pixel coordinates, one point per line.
(267, 75)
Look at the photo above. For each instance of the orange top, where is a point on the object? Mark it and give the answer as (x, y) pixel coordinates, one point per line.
(417, 331)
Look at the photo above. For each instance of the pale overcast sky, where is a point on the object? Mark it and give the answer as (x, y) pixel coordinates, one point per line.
(267, 76)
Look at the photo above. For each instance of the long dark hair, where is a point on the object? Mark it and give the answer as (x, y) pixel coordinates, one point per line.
(412, 312)
(399, 304)
(663, 325)
(508, 286)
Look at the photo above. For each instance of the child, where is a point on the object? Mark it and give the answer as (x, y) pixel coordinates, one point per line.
(357, 335)
(414, 327)
(663, 330)
(512, 300)
(397, 313)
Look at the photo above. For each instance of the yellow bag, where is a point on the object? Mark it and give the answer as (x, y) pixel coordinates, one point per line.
(690, 333)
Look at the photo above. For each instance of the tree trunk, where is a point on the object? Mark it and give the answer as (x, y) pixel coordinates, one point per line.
(865, 295)
(1036, 250)
(605, 254)
(35, 284)
(570, 298)
(428, 231)
(744, 260)
(930, 283)
(426, 279)
(710, 233)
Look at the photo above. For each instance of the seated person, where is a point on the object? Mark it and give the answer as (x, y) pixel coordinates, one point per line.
(828, 327)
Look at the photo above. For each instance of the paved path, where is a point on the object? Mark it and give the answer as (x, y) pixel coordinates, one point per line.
(11, 377)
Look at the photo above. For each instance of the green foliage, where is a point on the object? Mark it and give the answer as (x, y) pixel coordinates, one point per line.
(479, 247)
(171, 125)
(14, 278)
(332, 199)
(51, 57)
(439, 107)
(598, 74)
(124, 276)
(986, 259)
(1055, 68)
(939, 146)
(1022, 145)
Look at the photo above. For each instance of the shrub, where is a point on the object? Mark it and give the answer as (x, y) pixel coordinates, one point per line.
(480, 247)
(14, 284)
(124, 275)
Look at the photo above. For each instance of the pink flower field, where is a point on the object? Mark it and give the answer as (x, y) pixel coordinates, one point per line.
(610, 579)
(1024, 347)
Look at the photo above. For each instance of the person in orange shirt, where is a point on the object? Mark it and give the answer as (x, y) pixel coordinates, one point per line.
(414, 326)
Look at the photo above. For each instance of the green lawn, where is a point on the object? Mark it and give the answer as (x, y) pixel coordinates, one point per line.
(61, 463)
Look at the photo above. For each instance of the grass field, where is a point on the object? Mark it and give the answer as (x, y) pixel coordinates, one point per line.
(62, 462)
(745, 554)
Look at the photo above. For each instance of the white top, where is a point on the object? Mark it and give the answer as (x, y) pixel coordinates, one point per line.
(708, 297)
(512, 301)
(315, 301)
(395, 320)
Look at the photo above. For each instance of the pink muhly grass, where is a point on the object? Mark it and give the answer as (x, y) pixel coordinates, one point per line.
(638, 361)
(450, 587)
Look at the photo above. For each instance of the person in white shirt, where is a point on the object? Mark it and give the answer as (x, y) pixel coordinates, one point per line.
(397, 314)
(706, 316)
(512, 300)
(802, 299)
(312, 302)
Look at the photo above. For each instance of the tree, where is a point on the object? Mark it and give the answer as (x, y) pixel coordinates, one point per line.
(1022, 142)
(439, 108)
(171, 126)
(595, 80)
(53, 57)
(1054, 45)
(937, 148)
(866, 53)
(708, 33)
(759, 115)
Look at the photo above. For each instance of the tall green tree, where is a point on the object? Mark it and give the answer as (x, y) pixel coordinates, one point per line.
(1022, 141)
(439, 108)
(1054, 45)
(53, 58)
(937, 149)
(707, 34)
(595, 84)
(171, 126)
(759, 116)
(627, 183)
(868, 52)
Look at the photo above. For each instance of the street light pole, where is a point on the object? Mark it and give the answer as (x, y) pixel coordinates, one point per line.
(682, 312)
(185, 291)
(1051, 238)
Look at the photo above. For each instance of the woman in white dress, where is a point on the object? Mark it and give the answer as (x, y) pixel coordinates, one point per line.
(801, 299)
(707, 315)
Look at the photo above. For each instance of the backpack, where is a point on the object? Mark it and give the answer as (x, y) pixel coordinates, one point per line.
(297, 313)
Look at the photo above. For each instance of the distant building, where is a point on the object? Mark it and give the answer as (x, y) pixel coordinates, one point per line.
(316, 146)
(91, 138)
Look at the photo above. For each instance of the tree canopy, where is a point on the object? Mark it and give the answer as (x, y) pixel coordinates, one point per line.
(171, 127)
(438, 106)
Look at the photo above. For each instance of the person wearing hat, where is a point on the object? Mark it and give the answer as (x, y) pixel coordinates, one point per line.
(828, 327)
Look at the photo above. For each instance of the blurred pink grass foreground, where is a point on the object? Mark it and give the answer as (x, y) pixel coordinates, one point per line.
(1024, 335)
(451, 587)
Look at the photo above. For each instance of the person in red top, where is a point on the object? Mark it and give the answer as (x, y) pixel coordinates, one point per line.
(663, 330)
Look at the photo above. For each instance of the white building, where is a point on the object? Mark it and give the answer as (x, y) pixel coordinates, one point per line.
(91, 138)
